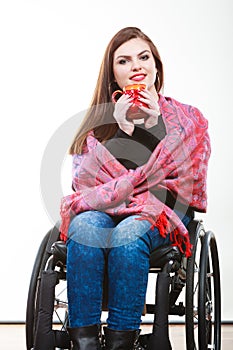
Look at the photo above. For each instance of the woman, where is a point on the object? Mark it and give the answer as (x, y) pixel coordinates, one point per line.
(137, 183)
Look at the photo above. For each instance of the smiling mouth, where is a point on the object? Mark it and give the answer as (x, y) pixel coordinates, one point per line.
(138, 77)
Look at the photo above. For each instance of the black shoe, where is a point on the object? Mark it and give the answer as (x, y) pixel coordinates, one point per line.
(120, 340)
(85, 338)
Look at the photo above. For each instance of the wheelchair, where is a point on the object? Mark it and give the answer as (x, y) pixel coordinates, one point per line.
(196, 278)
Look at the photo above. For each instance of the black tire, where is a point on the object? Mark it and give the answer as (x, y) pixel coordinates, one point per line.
(192, 285)
(203, 306)
(209, 299)
(31, 311)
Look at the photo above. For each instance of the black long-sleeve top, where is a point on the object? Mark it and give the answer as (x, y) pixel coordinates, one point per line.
(133, 151)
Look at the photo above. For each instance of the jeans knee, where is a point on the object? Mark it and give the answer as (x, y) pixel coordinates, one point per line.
(91, 228)
(128, 231)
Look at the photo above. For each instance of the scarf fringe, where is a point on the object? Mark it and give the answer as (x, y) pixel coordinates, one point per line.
(164, 227)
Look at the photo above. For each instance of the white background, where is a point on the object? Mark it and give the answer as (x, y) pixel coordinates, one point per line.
(50, 56)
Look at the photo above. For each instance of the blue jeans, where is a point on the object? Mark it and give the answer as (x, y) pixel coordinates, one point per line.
(96, 239)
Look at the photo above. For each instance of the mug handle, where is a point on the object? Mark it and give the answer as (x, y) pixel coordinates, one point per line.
(114, 95)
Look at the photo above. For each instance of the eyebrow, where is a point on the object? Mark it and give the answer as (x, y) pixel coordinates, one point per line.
(127, 56)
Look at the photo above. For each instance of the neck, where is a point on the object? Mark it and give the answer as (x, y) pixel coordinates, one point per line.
(154, 92)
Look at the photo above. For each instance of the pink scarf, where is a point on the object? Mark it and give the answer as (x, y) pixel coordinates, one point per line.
(178, 164)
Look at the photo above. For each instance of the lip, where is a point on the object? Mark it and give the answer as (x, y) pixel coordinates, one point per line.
(138, 77)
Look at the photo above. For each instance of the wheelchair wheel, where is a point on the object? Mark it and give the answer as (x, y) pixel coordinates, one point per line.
(203, 299)
(31, 312)
(209, 299)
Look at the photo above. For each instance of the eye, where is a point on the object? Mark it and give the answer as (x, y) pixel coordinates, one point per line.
(122, 61)
(144, 57)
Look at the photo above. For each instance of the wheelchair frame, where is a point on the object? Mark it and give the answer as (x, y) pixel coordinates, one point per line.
(198, 275)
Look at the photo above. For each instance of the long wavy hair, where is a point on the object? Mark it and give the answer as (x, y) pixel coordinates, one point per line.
(99, 116)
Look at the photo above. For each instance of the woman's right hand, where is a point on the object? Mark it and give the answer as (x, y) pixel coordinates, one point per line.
(121, 107)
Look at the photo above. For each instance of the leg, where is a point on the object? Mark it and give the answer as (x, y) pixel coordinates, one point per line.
(85, 272)
(85, 266)
(128, 267)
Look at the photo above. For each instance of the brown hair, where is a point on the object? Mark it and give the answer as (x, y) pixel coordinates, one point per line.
(99, 116)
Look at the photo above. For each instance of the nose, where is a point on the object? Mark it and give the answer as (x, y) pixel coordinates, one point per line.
(136, 65)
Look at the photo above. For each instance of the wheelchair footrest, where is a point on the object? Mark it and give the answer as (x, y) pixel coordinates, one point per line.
(155, 341)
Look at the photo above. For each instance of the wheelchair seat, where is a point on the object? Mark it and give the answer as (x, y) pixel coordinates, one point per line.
(59, 251)
(158, 258)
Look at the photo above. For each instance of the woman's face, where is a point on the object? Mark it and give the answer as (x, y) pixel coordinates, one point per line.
(134, 63)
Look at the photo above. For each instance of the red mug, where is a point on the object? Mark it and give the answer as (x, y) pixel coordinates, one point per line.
(133, 90)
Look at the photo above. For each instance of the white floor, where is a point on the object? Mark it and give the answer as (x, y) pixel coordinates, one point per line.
(12, 337)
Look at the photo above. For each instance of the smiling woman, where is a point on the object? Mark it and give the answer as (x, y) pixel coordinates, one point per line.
(101, 119)
(139, 67)
(136, 186)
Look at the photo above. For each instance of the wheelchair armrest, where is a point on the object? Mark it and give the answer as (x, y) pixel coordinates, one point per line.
(162, 255)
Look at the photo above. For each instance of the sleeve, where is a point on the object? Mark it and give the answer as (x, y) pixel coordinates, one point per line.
(121, 134)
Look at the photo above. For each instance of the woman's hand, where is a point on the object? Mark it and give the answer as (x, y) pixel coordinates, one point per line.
(153, 110)
(121, 108)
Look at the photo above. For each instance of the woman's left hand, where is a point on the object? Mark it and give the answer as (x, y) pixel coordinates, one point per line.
(153, 110)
